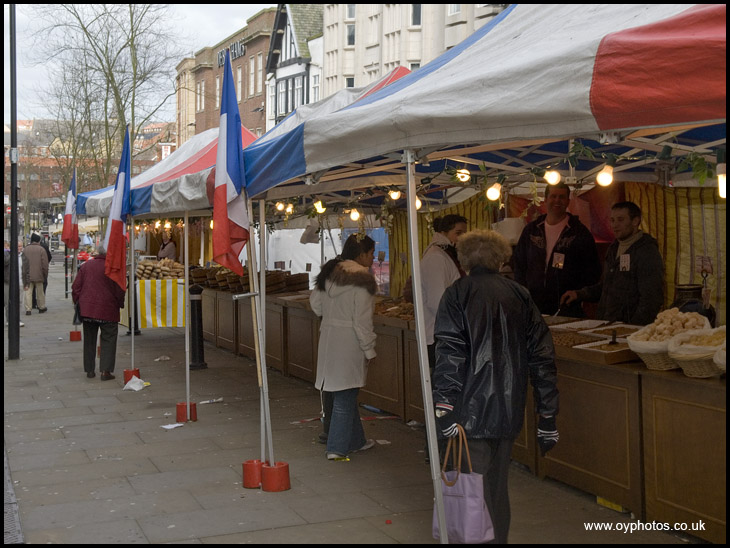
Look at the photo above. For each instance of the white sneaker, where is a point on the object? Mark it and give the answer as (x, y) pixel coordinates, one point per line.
(335, 456)
(368, 444)
(22, 324)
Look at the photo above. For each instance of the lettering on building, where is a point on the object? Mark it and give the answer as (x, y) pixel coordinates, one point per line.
(238, 49)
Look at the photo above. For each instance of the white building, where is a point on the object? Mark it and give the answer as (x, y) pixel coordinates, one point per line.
(363, 42)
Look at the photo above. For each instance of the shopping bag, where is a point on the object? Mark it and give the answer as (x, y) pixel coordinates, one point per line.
(78, 320)
(467, 517)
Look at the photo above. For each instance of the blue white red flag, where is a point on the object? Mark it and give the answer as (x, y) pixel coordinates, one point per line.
(115, 240)
(70, 234)
(230, 213)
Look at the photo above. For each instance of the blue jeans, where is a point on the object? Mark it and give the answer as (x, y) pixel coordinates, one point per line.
(345, 430)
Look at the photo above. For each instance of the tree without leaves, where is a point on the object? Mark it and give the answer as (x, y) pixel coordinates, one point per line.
(115, 66)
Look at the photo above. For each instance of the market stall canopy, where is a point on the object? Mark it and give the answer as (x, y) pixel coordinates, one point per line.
(176, 184)
(635, 77)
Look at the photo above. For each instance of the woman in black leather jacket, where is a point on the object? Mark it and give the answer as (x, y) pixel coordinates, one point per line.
(490, 337)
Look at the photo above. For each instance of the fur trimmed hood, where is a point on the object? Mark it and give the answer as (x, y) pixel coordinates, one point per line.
(348, 273)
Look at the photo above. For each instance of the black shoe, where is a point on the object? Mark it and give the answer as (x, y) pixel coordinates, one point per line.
(27, 312)
(106, 376)
(322, 438)
(90, 374)
(42, 310)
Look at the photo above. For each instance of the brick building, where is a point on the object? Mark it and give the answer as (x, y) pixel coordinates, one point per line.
(200, 79)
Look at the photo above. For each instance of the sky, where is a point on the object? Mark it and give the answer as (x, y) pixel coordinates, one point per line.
(200, 24)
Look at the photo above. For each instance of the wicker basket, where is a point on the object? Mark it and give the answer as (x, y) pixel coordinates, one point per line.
(697, 365)
(659, 362)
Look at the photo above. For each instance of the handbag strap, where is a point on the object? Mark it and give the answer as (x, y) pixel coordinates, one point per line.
(458, 441)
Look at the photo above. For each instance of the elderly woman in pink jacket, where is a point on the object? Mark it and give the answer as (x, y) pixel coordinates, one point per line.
(99, 299)
(345, 297)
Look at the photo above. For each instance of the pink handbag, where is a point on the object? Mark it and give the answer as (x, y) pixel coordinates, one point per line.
(467, 517)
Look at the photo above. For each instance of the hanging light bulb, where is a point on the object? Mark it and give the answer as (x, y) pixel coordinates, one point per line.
(289, 209)
(394, 194)
(318, 207)
(605, 176)
(211, 224)
(721, 172)
(463, 175)
(354, 214)
(168, 226)
(494, 192)
(552, 177)
(721, 180)
(158, 223)
(280, 206)
(418, 203)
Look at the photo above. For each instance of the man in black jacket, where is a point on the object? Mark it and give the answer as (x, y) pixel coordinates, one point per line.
(555, 253)
(490, 337)
(632, 287)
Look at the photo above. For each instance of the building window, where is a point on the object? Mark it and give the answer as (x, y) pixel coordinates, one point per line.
(217, 92)
(350, 11)
(260, 69)
(197, 97)
(315, 88)
(251, 75)
(202, 95)
(350, 35)
(298, 95)
(416, 15)
(415, 66)
(239, 77)
(281, 105)
(349, 82)
(454, 9)
(272, 100)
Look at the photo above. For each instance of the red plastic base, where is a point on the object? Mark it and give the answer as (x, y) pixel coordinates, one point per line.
(182, 415)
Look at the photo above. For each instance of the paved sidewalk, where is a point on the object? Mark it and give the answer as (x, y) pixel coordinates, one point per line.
(90, 462)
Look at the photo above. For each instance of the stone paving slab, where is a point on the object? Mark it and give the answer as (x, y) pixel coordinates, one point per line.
(90, 462)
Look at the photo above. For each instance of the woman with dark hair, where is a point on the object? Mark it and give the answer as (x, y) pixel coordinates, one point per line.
(344, 297)
(439, 269)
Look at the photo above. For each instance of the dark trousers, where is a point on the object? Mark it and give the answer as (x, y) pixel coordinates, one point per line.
(491, 458)
(108, 343)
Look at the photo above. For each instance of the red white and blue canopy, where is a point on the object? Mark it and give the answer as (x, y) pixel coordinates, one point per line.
(535, 74)
(176, 184)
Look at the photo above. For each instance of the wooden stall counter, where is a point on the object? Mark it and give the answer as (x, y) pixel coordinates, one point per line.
(600, 431)
(685, 453)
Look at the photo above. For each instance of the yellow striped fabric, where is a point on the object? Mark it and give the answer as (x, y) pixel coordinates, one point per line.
(161, 303)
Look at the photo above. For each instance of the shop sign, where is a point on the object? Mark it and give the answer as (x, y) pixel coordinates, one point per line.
(238, 49)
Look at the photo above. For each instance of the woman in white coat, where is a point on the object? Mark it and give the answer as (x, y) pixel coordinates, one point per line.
(439, 269)
(344, 297)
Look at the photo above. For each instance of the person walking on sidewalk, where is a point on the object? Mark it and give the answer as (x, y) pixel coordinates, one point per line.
(35, 271)
(344, 298)
(7, 257)
(490, 339)
(99, 299)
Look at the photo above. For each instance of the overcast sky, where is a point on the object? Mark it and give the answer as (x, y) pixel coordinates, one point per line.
(200, 25)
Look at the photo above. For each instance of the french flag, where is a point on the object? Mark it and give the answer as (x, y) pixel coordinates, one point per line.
(70, 234)
(230, 213)
(115, 240)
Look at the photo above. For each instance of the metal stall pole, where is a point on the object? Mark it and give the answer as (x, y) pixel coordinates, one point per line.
(132, 288)
(187, 320)
(261, 303)
(408, 158)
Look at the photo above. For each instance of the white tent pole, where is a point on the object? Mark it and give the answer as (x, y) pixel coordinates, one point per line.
(132, 287)
(187, 319)
(262, 325)
(421, 340)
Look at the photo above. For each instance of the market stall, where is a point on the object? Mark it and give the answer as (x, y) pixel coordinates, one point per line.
(512, 100)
